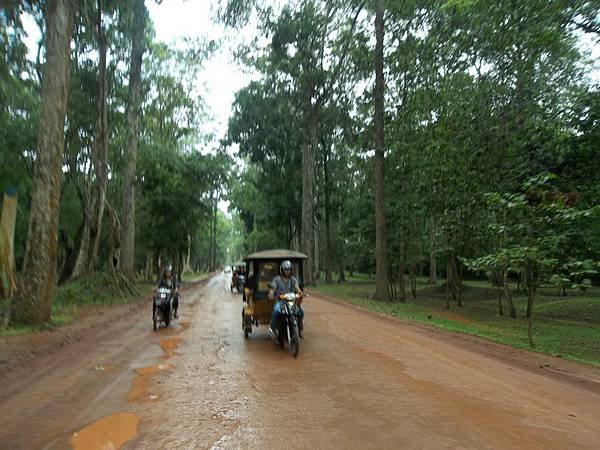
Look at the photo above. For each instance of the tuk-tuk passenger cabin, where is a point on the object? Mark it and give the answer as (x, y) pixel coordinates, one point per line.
(261, 268)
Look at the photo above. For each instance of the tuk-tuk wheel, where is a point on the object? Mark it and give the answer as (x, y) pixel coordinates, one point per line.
(247, 326)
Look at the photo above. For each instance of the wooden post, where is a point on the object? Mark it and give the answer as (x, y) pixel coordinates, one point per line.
(7, 237)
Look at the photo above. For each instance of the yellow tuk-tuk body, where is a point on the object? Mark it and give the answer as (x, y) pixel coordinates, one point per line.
(261, 268)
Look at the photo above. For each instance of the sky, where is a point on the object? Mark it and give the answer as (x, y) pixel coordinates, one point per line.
(222, 77)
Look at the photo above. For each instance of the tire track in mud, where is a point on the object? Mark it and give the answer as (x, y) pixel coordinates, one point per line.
(201, 404)
(76, 375)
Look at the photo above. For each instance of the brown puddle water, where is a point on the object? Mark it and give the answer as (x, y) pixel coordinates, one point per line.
(168, 345)
(110, 432)
(185, 325)
(139, 391)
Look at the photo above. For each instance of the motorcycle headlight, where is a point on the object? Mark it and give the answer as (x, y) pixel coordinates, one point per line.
(163, 295)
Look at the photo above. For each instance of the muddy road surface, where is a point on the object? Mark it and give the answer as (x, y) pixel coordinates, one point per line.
(360, 381)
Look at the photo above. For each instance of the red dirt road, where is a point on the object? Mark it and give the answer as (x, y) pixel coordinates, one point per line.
(360, 381)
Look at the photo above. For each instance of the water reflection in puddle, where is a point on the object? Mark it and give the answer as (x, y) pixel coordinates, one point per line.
(108, 433)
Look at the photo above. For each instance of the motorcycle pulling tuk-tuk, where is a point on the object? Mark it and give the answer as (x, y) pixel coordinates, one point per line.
(261, 268)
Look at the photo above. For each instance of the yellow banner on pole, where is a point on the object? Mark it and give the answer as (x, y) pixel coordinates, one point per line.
(7, 237)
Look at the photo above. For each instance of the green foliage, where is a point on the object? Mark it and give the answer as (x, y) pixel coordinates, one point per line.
(481, 97)
(71, 299)
(537, 225)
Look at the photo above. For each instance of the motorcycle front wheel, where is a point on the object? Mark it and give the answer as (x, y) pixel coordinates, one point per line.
(294, 341)
(168, 316)
(282, 333)
(155, 320)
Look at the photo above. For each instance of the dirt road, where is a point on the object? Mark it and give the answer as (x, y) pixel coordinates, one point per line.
(360, 381)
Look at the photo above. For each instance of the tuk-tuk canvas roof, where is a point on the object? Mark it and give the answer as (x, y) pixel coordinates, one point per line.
(277, 254)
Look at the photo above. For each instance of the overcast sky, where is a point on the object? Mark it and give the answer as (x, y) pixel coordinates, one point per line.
(175, 19)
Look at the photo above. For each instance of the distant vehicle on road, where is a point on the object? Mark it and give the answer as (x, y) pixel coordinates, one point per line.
(227, 269)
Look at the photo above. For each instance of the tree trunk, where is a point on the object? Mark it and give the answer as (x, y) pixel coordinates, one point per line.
(81, 262)
(341, 274)
(149, 269)
(36, 283)
(529, 283)
(101, 159)
(308, 164)
(413, 279)
(328, 255)
(500, 309)
(452, 278)
(531, 288)
(96, 192)
(133, 105)
(70, 254)
(401, 270)
(187, 268)
(508, 297)
(459, 275)
(316, 253)
(381, 290)
(114, 256)
(213, 236)
(447, 290)
(497, 279)
(432, 260)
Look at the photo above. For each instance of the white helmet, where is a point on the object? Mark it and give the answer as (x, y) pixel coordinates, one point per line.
(285, 265)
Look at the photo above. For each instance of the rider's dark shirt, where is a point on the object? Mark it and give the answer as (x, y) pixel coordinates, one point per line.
(169, 283)
(281, 287)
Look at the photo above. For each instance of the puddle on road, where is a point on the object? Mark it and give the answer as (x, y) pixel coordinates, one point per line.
(110, 432)
(139, 391)
(169, 345)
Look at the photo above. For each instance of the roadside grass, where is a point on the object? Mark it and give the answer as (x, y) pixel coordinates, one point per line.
(567, 326)
(69, 300)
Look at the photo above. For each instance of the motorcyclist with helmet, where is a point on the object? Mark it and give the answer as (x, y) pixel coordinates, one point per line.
(169, 280)
(284, 283)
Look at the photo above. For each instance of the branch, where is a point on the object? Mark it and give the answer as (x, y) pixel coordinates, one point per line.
(336, 72)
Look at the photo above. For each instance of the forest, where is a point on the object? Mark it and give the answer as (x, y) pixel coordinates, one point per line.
(451, 139)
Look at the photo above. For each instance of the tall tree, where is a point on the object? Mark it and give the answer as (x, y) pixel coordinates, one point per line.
(135, 84)
(33, 299)
(382, 289)
(96, 192)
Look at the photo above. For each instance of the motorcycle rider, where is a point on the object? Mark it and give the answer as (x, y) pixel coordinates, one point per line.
(169, 280)
(284, 283)
(242, 272)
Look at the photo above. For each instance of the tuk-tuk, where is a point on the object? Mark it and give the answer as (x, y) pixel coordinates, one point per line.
(237, 269)
(261, 268)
